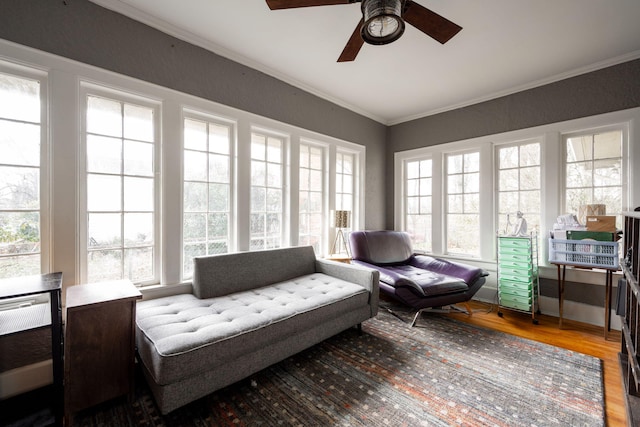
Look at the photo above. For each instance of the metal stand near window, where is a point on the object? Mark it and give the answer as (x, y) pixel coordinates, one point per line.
(589, 254)
(518, 287)
(40, 284)
(340, 243)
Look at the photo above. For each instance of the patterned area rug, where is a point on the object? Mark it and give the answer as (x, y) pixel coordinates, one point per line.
(440, 373)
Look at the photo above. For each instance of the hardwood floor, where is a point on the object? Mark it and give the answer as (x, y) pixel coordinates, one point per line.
(576, 336)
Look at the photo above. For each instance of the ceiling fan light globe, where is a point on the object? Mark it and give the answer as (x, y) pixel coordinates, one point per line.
(383, 23)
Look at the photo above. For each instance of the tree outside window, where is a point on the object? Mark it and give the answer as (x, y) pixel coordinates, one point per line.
(267, 192)
(594, 172)
(418, 202)
(20, 130)
(311, 196)
(463, 204)
(120, 196)
(206, 190)
(518, 185)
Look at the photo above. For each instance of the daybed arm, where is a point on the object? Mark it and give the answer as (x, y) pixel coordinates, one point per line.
(466, 272)
(365, 277)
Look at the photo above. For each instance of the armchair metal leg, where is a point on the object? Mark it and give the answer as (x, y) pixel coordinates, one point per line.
(467, 310)
(415, 318)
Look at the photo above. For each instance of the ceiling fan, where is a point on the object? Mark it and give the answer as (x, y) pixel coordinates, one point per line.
(382, 21)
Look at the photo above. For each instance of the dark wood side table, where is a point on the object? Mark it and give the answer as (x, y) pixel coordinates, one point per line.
(39, 284)
(99, 344)
(562, 267)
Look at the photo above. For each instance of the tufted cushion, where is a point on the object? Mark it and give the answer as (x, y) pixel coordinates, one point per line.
(423, 282)
(180, 336)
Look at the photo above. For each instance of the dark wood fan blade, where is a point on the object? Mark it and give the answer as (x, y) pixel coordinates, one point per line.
(353, 46)
(429, 22)
(289, 4)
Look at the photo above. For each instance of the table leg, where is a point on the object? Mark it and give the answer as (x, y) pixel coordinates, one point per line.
(561, 276)
(607, 303)
(57, 354)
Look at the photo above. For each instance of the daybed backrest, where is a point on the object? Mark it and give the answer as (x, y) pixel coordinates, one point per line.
(218, 275)
(380, 247)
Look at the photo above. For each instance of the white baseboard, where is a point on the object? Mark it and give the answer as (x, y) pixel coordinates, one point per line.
(26, 378)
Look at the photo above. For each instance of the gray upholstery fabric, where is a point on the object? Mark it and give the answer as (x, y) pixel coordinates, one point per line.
(174, 395)
(181, 336)
(260, 307)
(218, 275)
(364, 277)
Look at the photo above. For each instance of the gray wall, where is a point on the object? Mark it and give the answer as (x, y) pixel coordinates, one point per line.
(85, 32)
(610, 89)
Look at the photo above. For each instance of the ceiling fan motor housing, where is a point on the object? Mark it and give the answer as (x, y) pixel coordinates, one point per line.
(383, 22)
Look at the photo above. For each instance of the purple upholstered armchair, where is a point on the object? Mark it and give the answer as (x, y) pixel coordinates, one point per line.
(419, 281)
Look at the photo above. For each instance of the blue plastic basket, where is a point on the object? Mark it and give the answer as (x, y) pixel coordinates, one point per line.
(584, 253)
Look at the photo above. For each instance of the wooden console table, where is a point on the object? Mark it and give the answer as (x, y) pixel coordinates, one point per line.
(44, 284)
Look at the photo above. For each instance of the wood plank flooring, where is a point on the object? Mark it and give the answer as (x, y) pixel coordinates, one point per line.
(576, 336)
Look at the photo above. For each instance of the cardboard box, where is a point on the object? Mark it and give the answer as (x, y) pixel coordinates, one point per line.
(601, 223)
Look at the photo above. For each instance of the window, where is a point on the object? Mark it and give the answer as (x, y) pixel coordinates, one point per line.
(145, 177)
(311, 197)
(267, 191)
(593, 171)
(207, 190)
(542, 172)
(345, 179)
(518, 169)
(418, 203)
(20, 200)
(463, 204)
(120, 191)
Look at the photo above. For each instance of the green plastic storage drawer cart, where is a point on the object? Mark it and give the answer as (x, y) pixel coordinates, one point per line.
(518, 287)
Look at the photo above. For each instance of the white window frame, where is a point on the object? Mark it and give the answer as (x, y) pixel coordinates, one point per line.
(42, 76)
(285, 163)
(446, 194)
(552, 181)
(497, 181)
(624, 128)
(419, 196)
(93, 89)
(358, 184)
(324, 148)
(62, 126)
(195, 114)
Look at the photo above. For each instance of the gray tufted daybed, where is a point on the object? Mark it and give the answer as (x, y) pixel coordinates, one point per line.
(248, 310)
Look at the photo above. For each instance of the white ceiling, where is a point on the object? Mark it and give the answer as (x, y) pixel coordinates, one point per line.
(504, 46)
